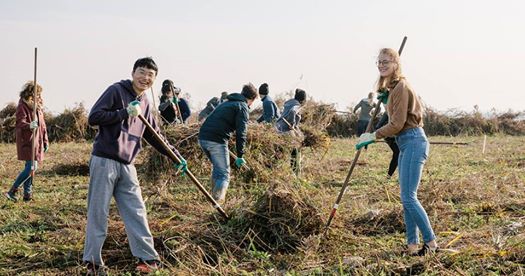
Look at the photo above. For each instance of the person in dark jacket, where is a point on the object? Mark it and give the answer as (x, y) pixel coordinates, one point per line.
(111, 169)
(391, 142)
(25, 126)
(366, 106)
(230, 116)
(289, 123)
(270, 109)
(211, 105)
(172, 107)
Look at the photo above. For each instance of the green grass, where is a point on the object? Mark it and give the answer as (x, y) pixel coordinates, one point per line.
(472, 201)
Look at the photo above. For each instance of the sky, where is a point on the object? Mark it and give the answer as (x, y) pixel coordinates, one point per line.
(458, 54)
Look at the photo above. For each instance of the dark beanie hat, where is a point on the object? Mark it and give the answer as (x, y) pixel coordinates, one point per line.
(263, 89)
(166, 85)
(300, 95)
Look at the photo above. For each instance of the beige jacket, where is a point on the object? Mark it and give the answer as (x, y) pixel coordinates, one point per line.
(404, 110)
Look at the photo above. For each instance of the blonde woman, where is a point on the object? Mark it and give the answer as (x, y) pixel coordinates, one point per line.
(406, 124)
(25, 124)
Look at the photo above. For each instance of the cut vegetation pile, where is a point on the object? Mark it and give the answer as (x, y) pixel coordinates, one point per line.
(267, 152)
(282, 219)
(277, 222)
(70, 125)
(8, 123)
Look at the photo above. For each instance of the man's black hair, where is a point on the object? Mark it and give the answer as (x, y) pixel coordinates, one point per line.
(263, 89)
(300, 95)
(146, 62)
(249, 91)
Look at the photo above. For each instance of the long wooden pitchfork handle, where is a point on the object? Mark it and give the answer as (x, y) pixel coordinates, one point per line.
(175, 158)
(356, 157)
(35, 117)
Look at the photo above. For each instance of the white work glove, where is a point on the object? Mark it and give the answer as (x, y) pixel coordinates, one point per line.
(134, 108)
(33, 124)
(365, 139)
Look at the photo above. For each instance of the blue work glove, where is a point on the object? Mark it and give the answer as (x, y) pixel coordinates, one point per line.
(46, 147)
(239, 162)
(183, 165)
(365, 139)
(175, 100)
(134, 108)
(382, 96)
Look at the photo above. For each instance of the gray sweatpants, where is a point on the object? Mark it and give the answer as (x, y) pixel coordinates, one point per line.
(109, 178)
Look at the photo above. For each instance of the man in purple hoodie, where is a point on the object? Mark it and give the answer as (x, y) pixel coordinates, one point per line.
(111, 169)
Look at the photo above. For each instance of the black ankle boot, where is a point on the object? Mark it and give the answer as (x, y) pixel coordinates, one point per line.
(11, 195)
(425, 250)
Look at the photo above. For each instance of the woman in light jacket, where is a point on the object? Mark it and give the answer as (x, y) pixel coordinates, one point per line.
(406, 124)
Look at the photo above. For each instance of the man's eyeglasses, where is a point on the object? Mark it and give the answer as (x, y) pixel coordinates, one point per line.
(383, 62)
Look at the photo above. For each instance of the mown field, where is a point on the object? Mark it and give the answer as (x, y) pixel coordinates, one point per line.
(476, 203)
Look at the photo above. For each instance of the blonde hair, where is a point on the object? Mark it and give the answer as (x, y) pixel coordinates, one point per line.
(390, 81)
(27, 90)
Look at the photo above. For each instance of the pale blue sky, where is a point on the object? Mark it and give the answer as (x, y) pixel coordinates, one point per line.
(458, 54)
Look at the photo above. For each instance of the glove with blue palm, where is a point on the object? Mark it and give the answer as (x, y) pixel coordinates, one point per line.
(365, 139)
(382, 96)
(239, 162)
(134, 108)
(183, 165)
(175, 100)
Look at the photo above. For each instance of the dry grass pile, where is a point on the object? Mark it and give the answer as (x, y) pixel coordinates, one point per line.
(317, 114)
(8, 123)
(267, 152)
(8, 111)
(315, 138)
(272, 225)
(281, 219)
(343, 125)
(70, 125)
(455, 122)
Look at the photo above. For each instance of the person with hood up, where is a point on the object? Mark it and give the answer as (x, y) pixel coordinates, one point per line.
(111, 169)
(289, 123)
(270, 109)
(211, 105)
(214, 134)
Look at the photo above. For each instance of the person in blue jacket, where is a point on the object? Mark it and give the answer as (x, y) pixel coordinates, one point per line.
(173, 108)
(228, 117)
(288, 123)
(270, 109)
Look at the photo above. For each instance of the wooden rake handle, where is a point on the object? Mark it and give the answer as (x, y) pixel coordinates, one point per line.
(175, 158)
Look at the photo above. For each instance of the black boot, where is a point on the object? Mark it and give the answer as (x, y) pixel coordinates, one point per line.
(11, 195)
(28, 197)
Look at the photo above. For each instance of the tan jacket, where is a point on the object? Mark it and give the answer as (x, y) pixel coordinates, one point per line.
(404, 111)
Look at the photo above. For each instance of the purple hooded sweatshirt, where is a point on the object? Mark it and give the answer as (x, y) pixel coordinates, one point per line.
(119, 135)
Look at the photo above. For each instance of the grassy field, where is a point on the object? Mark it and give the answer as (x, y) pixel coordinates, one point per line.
(476, 204)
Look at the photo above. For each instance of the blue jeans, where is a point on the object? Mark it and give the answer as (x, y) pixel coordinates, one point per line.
(220, 159)
(361, 127)
(413, 147)
(25, 178)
